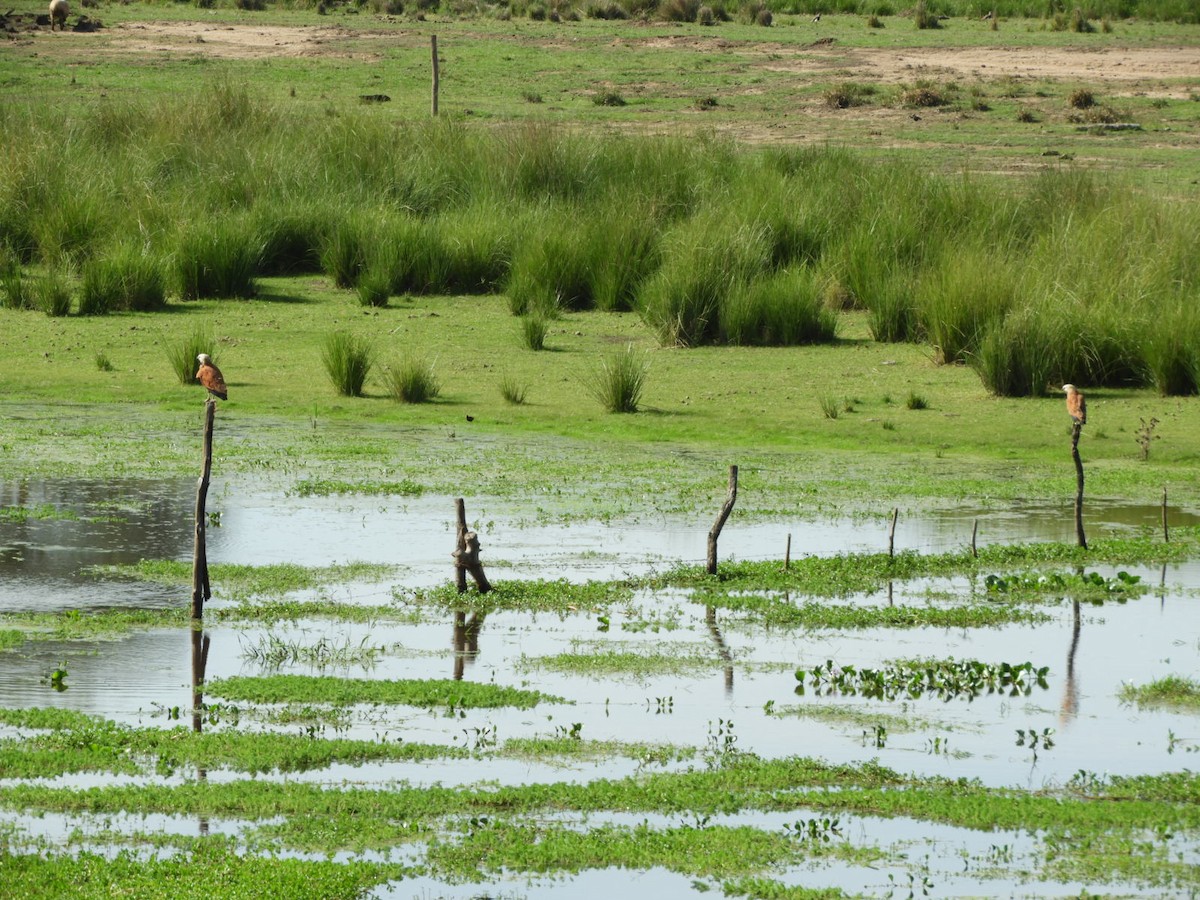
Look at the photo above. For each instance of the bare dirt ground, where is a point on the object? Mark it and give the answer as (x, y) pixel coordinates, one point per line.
(1120, 69)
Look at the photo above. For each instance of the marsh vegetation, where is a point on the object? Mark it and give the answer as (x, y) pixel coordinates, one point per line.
(846, 325)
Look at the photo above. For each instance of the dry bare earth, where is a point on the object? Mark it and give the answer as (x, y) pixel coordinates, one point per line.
(766, 87)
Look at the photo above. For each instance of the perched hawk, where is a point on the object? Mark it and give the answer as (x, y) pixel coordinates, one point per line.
(1076, 405)
(210, 376)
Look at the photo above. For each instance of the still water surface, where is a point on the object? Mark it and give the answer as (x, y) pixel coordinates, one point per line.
(742, 684)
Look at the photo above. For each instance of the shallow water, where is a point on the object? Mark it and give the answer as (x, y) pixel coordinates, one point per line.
(741, 693)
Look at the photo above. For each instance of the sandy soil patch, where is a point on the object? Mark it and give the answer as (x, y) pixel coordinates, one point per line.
(1120, 68)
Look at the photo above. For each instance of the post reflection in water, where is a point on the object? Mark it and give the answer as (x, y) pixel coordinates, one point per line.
(710, 619)
(200, 646)
(466, 640)
(1069, 708)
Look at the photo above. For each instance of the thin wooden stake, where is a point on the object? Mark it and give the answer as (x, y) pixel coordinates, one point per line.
(201, 590)
(892, 534)
(1166, 533)
(436, 71)
(726, 509)
(787, 553)
(974, 532)
(1080, 538)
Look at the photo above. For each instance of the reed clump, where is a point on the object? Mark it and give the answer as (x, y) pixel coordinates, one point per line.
(182, 352)
(412, 380)
(347, 359)
(707, 242)
(619, 380)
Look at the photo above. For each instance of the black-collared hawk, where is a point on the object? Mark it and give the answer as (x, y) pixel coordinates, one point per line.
(210, 376)
(1076, 405)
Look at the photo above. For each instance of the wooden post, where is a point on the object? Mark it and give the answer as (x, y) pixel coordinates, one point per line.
(787, 553)
(974, 532)
(201, 590)
(436, 78)
(460, 546)
(892, 534)
(1166, 533)
(466, 555)
(1079, 535)
(726, 509)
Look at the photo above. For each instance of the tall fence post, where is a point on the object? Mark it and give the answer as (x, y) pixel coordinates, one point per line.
(201, 589)
(726, 509)
(436, 71)
(892, 533)
(1080, 538)
(1166, 533)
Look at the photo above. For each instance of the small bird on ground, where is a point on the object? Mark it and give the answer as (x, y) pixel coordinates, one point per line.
(1076, 405)
(817, 17)
(210, 376)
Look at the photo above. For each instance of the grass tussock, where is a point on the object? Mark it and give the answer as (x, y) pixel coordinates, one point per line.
(347, 359)
(412, 380)
(618, 382)
(719, 245)
(182, 352)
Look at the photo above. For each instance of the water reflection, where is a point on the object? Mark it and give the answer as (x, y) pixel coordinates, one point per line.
(714, 630)
(201, 643)
(1069, 708)
(466, 640)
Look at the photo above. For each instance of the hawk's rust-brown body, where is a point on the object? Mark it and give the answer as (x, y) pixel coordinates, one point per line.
(1076, 405)
(210, 376)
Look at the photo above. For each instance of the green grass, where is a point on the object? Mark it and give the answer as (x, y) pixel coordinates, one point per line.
(188, 876)
(342, 691)
(1172, 691)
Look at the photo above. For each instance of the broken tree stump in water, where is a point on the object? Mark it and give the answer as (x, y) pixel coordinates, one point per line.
(466, 554)
(726, 509)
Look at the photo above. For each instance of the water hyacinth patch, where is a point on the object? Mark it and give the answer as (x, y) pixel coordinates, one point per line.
(945, 679)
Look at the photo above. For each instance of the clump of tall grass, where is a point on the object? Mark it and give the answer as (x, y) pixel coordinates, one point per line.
(182, 352)
(347, 359)
(705, 259)
(53, 293)
(103, 363)
(513, 390)
(291, 237)
(831, 406)
(346, 247)
(554, 267)
(373, 288)
(924, 17)
(217, 258)
(1027, 351)
(891, 307)
(783, 309)
(619, 380)
(1171, 351)
(533, 330)
(967, 290)
(412, 380)
(14, 289)
(127, 277)
(916, 401)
